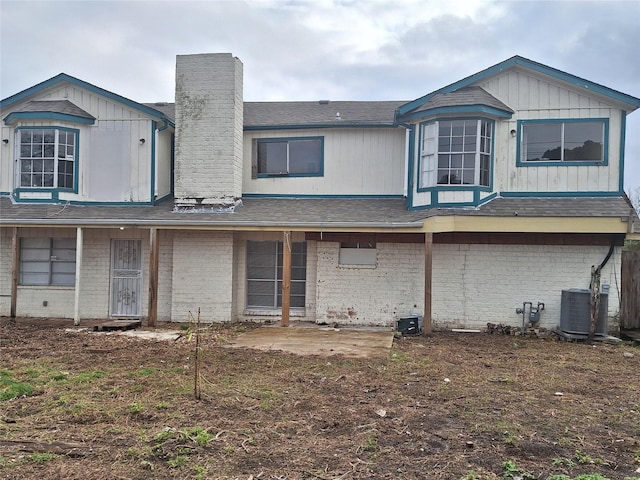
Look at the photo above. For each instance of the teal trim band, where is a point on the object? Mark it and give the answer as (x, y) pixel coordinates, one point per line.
(63, 77)
(338, 124)
(457, 110)
(56, 200)
(15, 116)
(152, 196)
(337, 196)
(559, 194)
(560, 163)
(623, 133)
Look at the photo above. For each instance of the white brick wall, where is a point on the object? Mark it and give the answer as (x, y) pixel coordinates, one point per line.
(202, 274)
(476, 284)
(472, 284)
(209, 127)
(5, 271)
(370, 296)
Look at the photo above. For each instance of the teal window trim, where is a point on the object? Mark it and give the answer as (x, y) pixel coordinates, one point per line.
(320, 172)
(440, 187)
(561, 163)
(431, 113)
(74, 189)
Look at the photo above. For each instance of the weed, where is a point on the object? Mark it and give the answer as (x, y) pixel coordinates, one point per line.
(511, 470)
(200, 472)
(37, 457)
(228, 449)
(143, 372)
(199, 435)
(135, 407)
(371, 443)
(146, 465)
(89, 376)
(178, 461)
(11, 388)
(560, 461)
(584, 459)
(162, 405)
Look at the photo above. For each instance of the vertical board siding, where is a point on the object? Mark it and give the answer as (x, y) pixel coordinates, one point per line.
(536, 98)
(630, 294)
(130, 160)
(357, 161)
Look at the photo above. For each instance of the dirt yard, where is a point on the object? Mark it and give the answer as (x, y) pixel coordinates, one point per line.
(81, 405)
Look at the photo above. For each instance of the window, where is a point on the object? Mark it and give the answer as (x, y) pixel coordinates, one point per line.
(562, 141)
(47, 158)
(264, 274)
(358, 254)
(47, 261)
(456, 152)
(290, 157)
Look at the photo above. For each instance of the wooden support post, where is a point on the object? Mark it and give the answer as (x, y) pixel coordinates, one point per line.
(286, 278)
(15, 259)
(428, 269)
(154, 257)
(78, 282)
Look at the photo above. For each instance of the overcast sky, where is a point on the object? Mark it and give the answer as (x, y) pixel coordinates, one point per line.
(321, 49)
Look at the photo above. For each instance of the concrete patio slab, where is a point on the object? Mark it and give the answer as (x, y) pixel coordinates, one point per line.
(316, 340)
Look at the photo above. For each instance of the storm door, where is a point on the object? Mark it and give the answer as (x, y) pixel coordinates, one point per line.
(126, 278)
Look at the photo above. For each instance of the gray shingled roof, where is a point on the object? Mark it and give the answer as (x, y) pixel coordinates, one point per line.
(313, 213)
(64, 107)
(320, 113)
(466, 96)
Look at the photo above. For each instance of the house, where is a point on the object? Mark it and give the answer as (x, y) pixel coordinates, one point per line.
(502, 188)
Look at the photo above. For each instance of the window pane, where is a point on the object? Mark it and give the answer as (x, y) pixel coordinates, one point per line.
(272, 157)
(583, 141)
(305, 156)
(542, 142)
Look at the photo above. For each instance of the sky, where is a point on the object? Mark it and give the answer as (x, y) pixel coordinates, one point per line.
(321, 49)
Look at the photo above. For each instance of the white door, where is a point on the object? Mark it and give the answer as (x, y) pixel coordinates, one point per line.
(126, 278)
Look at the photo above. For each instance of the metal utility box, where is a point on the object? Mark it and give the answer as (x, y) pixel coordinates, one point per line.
(409, 325)
(575, 312)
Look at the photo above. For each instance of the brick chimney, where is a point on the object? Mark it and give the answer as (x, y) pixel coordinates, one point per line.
(209, 122)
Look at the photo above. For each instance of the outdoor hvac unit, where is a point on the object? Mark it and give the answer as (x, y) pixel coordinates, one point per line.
(575, 312)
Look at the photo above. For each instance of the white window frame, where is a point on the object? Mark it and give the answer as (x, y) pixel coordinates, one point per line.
(61, 152)
(432, 174)
(360, 254)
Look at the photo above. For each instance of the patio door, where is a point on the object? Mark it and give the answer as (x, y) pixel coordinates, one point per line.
(126, 278)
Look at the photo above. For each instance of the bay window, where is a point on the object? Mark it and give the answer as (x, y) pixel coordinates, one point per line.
(456, 152)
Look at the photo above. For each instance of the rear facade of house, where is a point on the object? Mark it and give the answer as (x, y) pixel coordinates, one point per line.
(461, 205)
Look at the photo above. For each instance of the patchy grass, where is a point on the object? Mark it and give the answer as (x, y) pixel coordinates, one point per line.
(472, 407)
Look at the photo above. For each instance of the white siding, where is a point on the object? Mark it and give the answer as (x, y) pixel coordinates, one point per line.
(113, 165)
(536, 98)
(357, 161)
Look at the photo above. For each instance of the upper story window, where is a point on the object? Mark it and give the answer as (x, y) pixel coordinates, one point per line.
(558, 141)
(456, 152)
(290, 156)
(47, 157)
